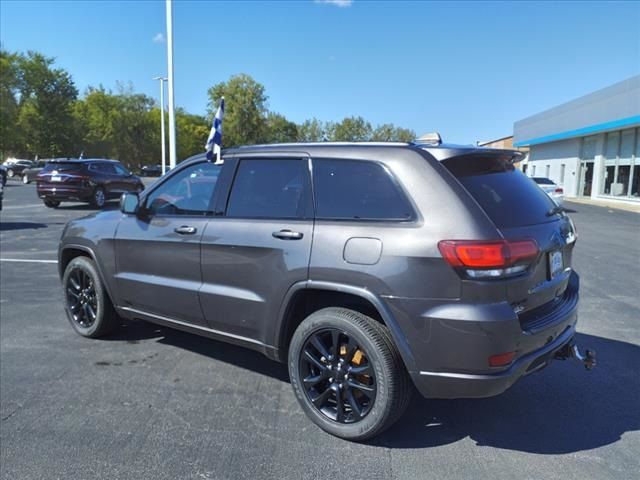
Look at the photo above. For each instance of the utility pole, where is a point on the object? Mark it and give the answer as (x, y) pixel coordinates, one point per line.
(162, 140)
(172, 113)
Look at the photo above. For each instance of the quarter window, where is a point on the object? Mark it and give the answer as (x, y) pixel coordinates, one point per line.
(269, 188)
(357, 190)
(188, 192)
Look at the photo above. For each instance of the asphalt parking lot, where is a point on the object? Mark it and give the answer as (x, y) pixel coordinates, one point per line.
(154, 403)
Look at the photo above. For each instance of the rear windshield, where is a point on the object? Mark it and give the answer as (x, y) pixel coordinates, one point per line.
(509, 197)
(542, 181)
(62, 166)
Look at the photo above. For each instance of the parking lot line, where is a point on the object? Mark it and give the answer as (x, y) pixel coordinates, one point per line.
(26, 260)
(15, 207)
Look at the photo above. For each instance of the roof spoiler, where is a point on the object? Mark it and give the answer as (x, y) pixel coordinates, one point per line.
(428, 139)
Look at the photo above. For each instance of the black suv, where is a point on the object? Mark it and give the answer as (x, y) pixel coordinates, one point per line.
(92, 180)
(368, 268)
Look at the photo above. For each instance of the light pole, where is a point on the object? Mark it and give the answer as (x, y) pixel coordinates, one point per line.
(172, 119)
(162, 140)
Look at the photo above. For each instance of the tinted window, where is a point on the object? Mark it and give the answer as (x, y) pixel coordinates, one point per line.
(120, 170)
(62, 166)
(188, 192)
(268, 189)
(348, 189)
(508, 197)
(542, 181)
(107, 168)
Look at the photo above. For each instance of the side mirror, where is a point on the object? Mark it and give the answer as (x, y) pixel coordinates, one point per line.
(129, 203)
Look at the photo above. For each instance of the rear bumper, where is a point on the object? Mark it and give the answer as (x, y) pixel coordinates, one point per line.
(60, 192)
(464, 385)
(451, 341)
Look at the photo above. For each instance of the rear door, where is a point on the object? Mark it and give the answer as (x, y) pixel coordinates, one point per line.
(158, 252)
(520, 210)
(258, 244)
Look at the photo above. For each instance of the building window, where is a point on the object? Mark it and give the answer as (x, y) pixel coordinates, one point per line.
(611, 157)
(547, 171)
(634, 187)
(533, 170)
(562, 169)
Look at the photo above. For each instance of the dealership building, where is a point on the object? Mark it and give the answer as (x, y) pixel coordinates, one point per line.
(591, 145)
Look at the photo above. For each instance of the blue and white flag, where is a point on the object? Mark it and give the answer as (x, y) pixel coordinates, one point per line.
(214, 142)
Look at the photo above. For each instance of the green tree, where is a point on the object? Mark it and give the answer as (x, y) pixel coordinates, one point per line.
(46, 103)
(315, 130)
(9, 89)
(352, 129)
(192, 132)
(245, 110)
(388, 132)
(280, 130)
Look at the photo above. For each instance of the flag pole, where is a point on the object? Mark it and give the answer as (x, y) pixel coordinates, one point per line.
(172, 117)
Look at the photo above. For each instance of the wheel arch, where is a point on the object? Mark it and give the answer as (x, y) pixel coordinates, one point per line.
(306, 297)
(70, 251)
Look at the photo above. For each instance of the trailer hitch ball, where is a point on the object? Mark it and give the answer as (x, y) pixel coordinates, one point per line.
(571, 351)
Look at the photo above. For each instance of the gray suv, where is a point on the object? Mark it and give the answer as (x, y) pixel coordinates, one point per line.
(370, 269)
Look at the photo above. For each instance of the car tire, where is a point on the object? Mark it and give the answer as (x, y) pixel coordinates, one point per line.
(51, 203)
(25, 179)
(98, 198)
(372, 395)
(87, 304)
(10, 173)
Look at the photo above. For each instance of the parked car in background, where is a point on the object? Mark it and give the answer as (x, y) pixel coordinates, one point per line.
(367, 269)
(16, 167)
(30, 174)
(555, 192)
(3, 175)
(89, 180)
(151, 171)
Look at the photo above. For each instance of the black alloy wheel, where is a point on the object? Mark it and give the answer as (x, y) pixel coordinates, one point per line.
(347, 373)
(87, 303)
(82, 301)
(338, 378)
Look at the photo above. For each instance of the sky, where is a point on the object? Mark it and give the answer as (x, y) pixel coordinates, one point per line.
(468, 70)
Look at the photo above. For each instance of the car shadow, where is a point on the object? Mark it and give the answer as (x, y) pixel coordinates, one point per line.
(8, 226)
(562, 409)
(132, 331)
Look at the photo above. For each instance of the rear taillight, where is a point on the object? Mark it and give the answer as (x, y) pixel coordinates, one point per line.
(489, 259)
(559, 190)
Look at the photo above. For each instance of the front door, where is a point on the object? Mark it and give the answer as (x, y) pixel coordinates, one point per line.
(158, 251)
(259, 247)
(586, 178)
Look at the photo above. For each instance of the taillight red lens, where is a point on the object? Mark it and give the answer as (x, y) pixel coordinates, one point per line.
(501, 359)
(493, 254)
(559, 190)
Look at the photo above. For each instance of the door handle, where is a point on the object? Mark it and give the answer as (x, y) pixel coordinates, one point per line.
(287, 235)
(185, 230)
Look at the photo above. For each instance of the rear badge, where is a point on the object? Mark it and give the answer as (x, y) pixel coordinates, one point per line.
(555, 263)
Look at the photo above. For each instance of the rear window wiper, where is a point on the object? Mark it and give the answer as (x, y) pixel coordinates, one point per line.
(557, 209)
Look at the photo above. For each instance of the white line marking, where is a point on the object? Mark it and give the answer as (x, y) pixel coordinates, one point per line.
(15, 207)
(26, 260)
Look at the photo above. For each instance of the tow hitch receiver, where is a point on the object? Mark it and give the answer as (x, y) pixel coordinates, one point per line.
(570, 350)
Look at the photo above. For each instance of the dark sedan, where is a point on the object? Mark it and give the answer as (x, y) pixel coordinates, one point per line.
(29, 174)
(93, 180)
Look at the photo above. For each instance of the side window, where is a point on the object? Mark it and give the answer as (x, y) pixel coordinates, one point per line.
(188, 192)
(94, 167)
(357, 190)
(269, 189)
(120, 170)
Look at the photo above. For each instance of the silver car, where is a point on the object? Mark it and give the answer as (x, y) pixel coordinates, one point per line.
(555, 192)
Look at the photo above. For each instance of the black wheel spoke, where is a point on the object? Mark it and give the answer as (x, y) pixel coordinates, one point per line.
(322, 398)
(366, 389)
(353, 403)
(352, 346)
(92, 313)
(71, 292)
(335, 347)
(309, 356)
(361, 370)
(82, 301)
(75, 283)
(339, 405)
(316, 342)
